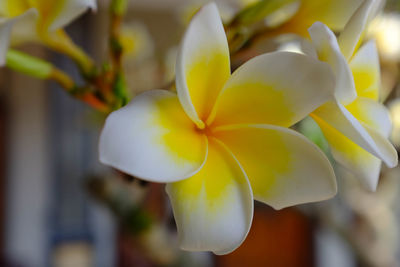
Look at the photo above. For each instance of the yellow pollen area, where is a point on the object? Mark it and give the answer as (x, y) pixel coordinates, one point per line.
(204, 129)
(238, 104)
(185, 140)
(263, 155)
(179, 135)
(362, 114)
(205, 77)
(366, 81)
(213, 183)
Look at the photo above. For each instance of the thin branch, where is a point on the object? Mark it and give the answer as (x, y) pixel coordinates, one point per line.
(62, 43)
(117, 91)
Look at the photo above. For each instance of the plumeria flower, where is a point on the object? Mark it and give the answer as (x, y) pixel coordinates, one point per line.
(223, 140)
(355, 124)
(27, 20)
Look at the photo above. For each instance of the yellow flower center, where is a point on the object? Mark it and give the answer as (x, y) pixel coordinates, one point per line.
(204, 129)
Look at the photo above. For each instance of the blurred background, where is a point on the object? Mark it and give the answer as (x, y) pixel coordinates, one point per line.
(60, 207)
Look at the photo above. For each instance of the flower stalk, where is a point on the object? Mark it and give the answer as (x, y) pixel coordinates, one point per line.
(29, 65)
(118, 86)
(62, 43)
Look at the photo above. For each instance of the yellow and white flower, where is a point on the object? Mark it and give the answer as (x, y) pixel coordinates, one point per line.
(223, 139)
(26, 20)
(355, 124)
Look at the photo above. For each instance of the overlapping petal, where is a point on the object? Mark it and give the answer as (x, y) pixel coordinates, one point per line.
(284, 168)
(338, 117)
(357, 130)
(383, 142)
(214, 208)
(203, 64)
(66, 11)
(366, 71)
(350, 38)
(278, 88)
(371, 113)
(153, 139)
(363, 164)
(334, 13)
(328, 50)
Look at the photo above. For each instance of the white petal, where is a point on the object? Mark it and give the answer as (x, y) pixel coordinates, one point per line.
(365, 166)
(278, 88)
(328, 50)
(284, 167)
(366, 71)
(351, 35)
(153, 139)
(70, 10)
(5, 33)
(214, 208)
(203, 65)
(366, 170)
(384, 144)
(373, 114)
(308, 48)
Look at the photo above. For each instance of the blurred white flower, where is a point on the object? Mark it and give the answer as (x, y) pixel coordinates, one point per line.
(385, 29)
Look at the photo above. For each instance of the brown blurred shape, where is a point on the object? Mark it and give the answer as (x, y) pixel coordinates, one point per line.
(277, 239)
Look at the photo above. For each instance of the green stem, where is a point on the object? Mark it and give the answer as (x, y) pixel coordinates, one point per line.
(44, 70)
(119, 7)
(38, 68)
(119, 91)
(29, 65)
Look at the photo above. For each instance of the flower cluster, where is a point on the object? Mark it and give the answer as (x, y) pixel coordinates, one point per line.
(36, 20)
(225, 139)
